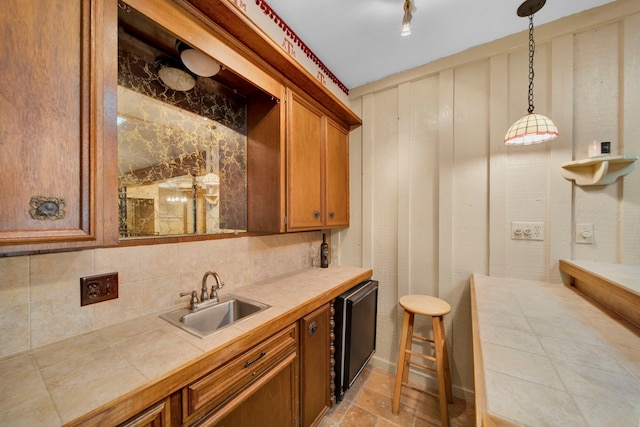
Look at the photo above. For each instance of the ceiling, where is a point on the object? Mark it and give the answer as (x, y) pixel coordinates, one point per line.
(360, 42)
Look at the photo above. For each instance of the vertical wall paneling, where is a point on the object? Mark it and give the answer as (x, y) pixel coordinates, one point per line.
(470, 189)
(457, 189)
(367, 178)
(347, 243)
(445, 201)
(559, 227)
(404, 190)
(527, 167)
(630, 221)
(470, 168)
(403, 225)
(384, 182)
(445, 180)
(596, 118)
(499, 123)
(423, 196)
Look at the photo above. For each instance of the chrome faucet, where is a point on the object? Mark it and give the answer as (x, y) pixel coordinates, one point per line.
(214, 289)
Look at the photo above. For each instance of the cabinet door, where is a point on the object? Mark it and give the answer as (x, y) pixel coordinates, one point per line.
(270, 401)
(156, 416)
(57, 126)
(211, 393)
(304, 165)
(337, 175)
(314, 366)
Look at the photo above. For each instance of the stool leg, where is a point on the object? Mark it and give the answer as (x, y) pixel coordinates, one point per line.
(445, 359)
(403, 365)
(439, 343)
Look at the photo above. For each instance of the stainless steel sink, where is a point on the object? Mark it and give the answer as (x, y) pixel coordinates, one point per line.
(206, 320)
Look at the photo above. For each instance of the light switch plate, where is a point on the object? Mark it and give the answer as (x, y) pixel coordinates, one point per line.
(584, 233)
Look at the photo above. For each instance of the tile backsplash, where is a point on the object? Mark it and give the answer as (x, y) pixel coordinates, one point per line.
(40, 294)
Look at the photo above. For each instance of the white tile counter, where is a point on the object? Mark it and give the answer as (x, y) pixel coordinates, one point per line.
(616, 286)
(55, 384)
(544, 355)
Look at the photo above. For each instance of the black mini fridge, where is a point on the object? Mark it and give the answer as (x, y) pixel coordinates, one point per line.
(355, 330)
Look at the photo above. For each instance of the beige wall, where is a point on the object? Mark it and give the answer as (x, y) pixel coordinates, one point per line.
(434, 190)
(40, 294)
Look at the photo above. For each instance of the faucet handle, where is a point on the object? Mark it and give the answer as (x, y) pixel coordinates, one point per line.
(194, 298)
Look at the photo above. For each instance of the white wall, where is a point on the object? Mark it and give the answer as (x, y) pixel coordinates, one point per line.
(434, 190)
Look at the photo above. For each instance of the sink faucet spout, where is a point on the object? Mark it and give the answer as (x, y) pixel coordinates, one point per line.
(219, 284)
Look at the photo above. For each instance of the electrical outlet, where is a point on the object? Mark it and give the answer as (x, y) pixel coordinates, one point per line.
(527, 230)
(101, 287)
(584, 233)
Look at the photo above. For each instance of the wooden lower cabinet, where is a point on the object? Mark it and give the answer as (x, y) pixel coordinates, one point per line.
(314, 366)
(260, 384)
(284, 381)
(271, 401)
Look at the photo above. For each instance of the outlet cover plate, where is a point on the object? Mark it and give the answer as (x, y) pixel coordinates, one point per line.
(527, 231)
(101, 287)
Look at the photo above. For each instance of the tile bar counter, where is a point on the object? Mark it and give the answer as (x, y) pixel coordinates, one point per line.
(546, 355)
(616, 286)
(122, 365)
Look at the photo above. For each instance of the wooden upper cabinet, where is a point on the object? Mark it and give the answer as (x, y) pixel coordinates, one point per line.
(304, 164)
(337, 175)
(57, 127)
(317, 168)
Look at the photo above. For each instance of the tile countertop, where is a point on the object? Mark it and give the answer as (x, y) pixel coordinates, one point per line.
(55, 384)
(623, 275)
(546, 355)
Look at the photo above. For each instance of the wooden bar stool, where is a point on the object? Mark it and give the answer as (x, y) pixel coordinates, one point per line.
(436, 309)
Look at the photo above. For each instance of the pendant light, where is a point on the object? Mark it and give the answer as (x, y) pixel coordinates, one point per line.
(406, 19)
(532, 128)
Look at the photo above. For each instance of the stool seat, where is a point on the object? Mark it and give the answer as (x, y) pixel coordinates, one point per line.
(425, 305)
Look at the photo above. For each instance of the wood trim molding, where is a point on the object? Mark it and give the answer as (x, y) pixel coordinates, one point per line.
(332, 353)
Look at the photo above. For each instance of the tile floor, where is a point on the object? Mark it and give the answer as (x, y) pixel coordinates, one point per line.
(368, 404)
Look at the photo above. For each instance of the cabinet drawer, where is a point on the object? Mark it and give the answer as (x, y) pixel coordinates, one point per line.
(221, 384)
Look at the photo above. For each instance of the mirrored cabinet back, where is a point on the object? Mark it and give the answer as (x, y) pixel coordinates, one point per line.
(182, 149)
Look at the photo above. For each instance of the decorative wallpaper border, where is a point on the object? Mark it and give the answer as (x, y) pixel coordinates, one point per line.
(268, 20)
(293, 36)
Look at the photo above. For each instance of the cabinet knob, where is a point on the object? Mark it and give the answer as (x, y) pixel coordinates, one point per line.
(316, 214)
(332, 214)
(313, 327)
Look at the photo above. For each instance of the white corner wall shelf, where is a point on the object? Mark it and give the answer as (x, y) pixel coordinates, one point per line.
(601, 170)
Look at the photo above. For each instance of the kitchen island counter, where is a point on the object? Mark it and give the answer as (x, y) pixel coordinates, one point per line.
(544, 354)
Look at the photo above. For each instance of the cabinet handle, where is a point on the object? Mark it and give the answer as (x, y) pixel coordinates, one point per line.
(316, 214)
(47, 207)
(313, 327)
(262, 354)
(332, 214)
